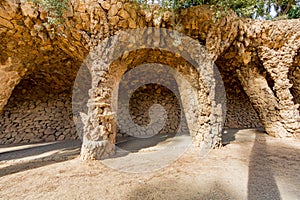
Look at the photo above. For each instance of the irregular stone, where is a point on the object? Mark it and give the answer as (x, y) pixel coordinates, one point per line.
(4, 14)
(61, 137)
(113, 20)
(28, 9)
(113, 10)
(105, 5)
(124, 14)
(6, 23)
(50, 138)
(131, 23)
(49, 131)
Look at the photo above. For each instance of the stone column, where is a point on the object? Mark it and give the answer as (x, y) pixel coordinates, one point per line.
(263, 100)
(277, 64)
(277, 111)
(99, 124)
(294, 76)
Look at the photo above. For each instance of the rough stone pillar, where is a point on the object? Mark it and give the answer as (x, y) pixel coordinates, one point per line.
(277, 114)
(99, 123)
(294, 76)
(100, 126)
(277, 64)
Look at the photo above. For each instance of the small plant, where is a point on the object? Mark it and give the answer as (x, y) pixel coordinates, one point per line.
(54, 8)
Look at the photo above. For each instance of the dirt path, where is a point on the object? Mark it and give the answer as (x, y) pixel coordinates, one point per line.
(252, 166)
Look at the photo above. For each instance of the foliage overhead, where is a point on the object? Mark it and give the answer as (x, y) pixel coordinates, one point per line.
(55, 9)
(258, 9)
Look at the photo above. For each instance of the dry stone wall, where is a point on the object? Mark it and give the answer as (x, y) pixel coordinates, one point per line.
(142, 100)
(27, 120)
(34, 115)
(140, 109)
(240, 113)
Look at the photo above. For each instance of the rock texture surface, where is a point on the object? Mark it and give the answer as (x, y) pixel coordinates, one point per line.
(32, 116)
(258, 61)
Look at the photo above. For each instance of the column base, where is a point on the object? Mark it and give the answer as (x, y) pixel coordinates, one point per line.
(96, 150)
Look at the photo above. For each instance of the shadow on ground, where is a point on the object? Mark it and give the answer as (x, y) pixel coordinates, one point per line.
(13, 152)
(240, 135)
(178, 190)
(134, 144)
(272, 165)
(20, 158)
(261, 180)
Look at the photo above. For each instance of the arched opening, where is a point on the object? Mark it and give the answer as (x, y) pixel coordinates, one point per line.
(183, 86)
(199, 88)
(39, 109)
(149, 107)
(240, 112)
(178, 78)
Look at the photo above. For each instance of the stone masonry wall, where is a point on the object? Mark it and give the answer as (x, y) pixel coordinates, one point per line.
(48, 117)
(144, 97)
(51, 119)
(240, 113)
(35, 115)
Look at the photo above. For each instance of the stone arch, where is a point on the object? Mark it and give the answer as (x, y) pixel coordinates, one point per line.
(39, 108)
(112, 59)
(179, 76)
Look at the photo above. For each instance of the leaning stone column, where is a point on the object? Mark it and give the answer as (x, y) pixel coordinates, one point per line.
(277, 64)
(263, 100)
(278, 114)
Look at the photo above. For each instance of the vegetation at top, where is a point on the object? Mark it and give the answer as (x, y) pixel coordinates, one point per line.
(55, 9)
(257, 9)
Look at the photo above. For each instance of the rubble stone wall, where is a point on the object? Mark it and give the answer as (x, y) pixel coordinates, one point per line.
(144, 97)
(33, 114)
(34, 117)
(240, 113)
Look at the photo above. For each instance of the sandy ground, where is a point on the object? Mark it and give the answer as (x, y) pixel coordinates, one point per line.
(251, 166)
